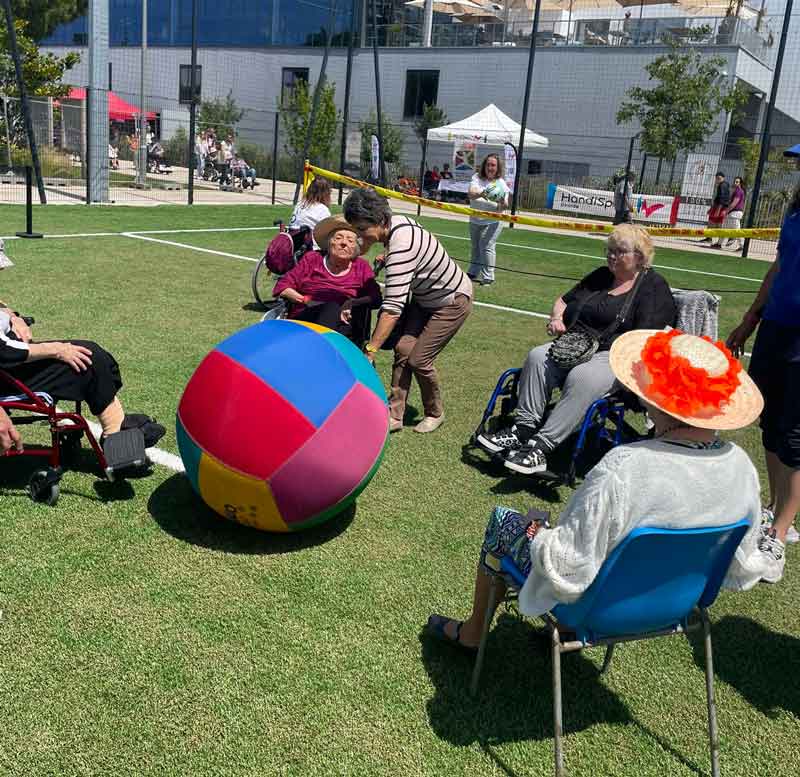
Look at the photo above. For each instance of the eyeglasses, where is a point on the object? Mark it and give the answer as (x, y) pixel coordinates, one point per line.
(616, 253)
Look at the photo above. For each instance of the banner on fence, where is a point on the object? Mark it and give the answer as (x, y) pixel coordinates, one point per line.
(463, 160)
(375, 168)
(697, 189)
(596, 202)
(511, 166)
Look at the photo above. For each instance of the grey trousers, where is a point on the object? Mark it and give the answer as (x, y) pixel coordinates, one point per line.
(484, 255)
(579, 386)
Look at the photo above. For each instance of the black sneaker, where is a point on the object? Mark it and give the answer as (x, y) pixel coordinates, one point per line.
(502, 440)
(151, 429)
(528, 459)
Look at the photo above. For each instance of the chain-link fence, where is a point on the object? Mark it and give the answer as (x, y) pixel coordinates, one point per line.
(243, 155)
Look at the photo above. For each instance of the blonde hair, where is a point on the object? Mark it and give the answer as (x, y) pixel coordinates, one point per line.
(638, 237)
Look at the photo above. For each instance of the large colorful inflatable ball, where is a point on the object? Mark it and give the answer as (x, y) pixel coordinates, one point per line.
(282, 425)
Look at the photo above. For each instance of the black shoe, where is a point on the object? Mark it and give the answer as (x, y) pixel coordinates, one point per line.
(151, 429)
(486, 283)
(471, 276)
(528, 459)
(500, 441)
(716, 245)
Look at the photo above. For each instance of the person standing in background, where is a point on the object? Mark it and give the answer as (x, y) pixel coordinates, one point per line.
(623, 199)
(734, 215)
(487, 192)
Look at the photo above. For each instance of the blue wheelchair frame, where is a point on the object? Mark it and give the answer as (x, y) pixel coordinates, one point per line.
(604, 421)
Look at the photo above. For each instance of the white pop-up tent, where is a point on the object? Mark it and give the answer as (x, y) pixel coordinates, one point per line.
(488, 127)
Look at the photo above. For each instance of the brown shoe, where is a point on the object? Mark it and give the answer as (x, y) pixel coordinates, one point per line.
(395, 425)
(429, 424)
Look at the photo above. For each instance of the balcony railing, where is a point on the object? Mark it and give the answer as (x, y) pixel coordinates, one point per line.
(727, 31)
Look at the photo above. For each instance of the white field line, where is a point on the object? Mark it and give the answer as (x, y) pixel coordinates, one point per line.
(137, 236)
(452, 237)
(592, 256)
(156, 455)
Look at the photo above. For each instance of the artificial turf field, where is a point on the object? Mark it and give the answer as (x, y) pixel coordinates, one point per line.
(142, 635)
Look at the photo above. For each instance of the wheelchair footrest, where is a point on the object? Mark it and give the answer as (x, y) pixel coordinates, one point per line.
(125, 453)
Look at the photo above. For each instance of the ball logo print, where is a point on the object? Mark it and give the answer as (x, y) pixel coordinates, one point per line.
(282, 425)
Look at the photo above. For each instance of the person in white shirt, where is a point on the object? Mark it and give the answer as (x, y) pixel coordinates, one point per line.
(488, 192)
(200, 152)
(685, 477)
(313, 208)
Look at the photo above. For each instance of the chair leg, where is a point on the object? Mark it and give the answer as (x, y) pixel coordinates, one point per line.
(558, 731)
(713, 733)
(476, 671)
(607, 659)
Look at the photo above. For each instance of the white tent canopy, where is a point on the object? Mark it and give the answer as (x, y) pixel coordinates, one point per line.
(488, 127)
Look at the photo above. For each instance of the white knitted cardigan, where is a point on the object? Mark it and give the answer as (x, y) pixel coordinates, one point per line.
(650, 483)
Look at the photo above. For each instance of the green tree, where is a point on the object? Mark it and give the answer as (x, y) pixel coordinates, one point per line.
(43, 16)
(432, 117)
(393, 142)
(682, 109)
(295, 112)
(222, 115)
(42, 73)
(777, 169)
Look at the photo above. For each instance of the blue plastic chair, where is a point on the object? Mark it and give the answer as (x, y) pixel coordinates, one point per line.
(649, 586)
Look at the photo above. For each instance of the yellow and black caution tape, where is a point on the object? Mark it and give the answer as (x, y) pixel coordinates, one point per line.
(310, 171)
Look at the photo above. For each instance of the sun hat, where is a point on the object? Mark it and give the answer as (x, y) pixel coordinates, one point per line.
(326, 227)
(688, 377)
(4, 260)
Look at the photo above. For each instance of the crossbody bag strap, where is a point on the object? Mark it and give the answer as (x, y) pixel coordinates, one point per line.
(626, 307)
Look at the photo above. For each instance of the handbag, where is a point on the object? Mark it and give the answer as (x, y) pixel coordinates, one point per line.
(580, 342)
(716, 215)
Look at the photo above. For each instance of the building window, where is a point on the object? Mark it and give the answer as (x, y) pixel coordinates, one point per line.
(290, 78)
(185, 84)
(422, 88)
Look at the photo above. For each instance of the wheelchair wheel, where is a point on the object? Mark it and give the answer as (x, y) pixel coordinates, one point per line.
(262, 283)
(43, 486)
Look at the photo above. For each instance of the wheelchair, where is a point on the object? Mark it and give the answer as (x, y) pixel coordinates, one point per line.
(603, 424)
(282, 253)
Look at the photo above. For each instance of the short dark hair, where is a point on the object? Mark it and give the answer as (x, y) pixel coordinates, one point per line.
(367, 205)
(720, 174)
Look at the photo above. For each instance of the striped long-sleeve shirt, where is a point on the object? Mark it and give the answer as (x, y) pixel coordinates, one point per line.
(418, 268)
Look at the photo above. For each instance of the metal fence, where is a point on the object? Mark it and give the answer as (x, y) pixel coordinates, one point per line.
(261, 139)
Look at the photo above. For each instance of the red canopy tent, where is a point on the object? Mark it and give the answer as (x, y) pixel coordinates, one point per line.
(118, 109)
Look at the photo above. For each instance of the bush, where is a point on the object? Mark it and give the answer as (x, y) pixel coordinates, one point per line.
(54, 163)
(124, 149)
(176, 149)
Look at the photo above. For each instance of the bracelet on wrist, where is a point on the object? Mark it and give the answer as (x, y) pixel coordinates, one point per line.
(370, 348)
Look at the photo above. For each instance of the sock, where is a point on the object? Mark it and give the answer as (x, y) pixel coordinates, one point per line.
(525, 433)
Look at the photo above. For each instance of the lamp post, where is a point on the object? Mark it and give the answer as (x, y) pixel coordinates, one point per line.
(141, 176)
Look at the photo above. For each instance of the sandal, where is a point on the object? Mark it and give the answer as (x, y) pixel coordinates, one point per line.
(435, 627)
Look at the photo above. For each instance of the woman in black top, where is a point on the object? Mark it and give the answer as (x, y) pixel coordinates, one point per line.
(595, 302)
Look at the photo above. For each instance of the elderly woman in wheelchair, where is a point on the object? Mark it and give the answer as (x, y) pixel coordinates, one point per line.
(333, 287)
(623, 295)
(683, 478)
(77, 370)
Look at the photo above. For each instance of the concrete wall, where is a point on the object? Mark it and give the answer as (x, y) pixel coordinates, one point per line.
(576, 92)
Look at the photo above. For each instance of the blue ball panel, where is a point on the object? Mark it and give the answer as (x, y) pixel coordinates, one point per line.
(361, 368)
(297, 362)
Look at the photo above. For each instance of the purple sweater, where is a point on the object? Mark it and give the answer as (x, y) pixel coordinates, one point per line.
(311, 277)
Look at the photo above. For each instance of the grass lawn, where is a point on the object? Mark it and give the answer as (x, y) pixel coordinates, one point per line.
(140, 634)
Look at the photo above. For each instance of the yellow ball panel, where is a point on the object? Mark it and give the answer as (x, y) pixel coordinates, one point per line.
(311, 325)
(238, 497)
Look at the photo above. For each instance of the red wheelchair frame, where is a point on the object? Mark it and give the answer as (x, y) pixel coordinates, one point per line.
(66, 431)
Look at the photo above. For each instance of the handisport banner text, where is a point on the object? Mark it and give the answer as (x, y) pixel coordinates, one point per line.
(652, 208)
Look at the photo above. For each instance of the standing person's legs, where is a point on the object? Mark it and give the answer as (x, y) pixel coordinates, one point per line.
(414, 321)
(476, 261)
(489, 235)
(440, 328)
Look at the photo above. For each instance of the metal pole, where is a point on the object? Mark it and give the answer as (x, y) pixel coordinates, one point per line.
(28, 206)
(764, 155)
(524, 122)
(88, 157)
(422, 171)
(275, 153)
(427, 23)
(315, 104)
(23, 96)
(347, 83)
(142, 169)
(641, 173)
(193, 106)
(8, 135)
(630, 158)
(378, 109)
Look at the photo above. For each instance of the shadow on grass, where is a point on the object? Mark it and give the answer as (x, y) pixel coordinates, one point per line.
(17, 470)
(180, 512)
(515, 700)
(760, 664)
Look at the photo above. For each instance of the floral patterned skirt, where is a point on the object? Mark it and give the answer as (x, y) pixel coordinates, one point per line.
(506, 536)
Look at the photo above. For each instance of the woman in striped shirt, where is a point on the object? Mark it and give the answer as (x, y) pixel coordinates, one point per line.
(427, 295)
